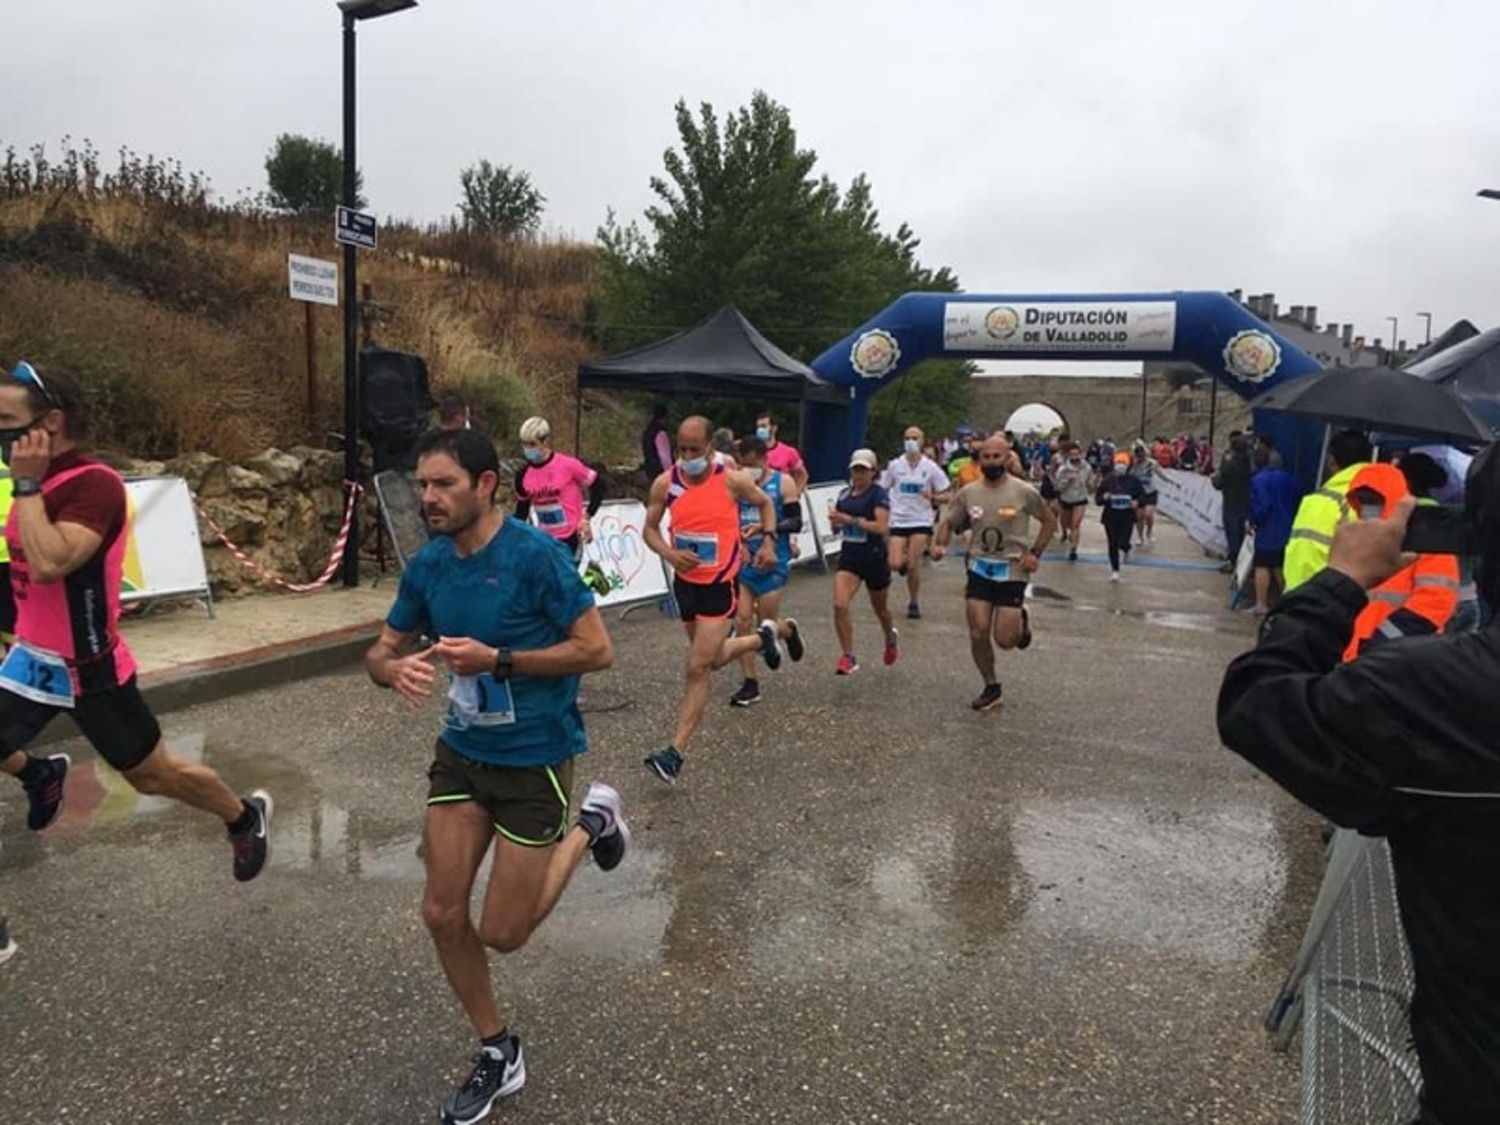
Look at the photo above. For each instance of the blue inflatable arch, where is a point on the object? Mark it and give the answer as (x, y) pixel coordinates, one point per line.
(1206, 328)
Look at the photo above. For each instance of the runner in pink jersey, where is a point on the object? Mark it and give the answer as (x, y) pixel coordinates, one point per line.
(779, 455)
(551, 488)
(67, 534)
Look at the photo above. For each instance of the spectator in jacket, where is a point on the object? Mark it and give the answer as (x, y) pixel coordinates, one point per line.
(1273, 504)
(1233, 482)
(1400, 743)
(656, 443)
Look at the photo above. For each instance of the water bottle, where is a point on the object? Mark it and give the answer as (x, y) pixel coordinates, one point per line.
(463, 701)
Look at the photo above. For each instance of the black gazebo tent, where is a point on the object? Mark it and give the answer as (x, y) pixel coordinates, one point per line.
(724, 356)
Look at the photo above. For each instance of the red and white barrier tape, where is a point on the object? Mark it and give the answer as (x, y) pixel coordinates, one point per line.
(334, 562)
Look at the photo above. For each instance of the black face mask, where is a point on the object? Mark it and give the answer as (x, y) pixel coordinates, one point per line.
(9, 438)
(992, 472)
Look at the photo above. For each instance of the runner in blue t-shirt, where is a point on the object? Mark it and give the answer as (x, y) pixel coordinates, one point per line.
(516, 627)
(862, 517)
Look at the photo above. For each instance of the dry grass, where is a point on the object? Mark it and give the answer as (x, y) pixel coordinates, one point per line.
(176, 315)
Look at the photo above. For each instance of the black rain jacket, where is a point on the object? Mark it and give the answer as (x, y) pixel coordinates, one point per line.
(1402, 743)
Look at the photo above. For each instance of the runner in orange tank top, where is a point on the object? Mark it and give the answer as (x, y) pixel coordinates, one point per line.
(700, 502)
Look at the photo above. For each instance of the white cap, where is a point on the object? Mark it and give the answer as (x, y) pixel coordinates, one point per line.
(865, 457)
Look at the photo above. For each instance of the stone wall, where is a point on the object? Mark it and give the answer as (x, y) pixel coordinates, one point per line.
(284, 509)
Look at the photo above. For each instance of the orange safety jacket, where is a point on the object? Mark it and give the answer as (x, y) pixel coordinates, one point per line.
(1413, 602)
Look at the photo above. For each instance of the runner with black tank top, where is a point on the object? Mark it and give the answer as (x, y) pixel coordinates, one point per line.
(68, 531)
(706, 553)
(862, 515)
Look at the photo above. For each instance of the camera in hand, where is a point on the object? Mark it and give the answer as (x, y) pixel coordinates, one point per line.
(1437, 529)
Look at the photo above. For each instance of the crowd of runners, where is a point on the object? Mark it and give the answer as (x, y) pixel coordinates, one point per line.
(496, 611)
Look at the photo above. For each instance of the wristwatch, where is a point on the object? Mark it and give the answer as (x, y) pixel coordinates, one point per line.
(770, 532)
(26, 486)
(505, 663)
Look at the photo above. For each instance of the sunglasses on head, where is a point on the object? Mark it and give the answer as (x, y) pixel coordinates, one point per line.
(24, 373)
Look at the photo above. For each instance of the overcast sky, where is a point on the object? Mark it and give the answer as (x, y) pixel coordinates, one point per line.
(1328, 151)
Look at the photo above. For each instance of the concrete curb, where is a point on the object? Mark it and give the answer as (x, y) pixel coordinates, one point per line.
(207, 681)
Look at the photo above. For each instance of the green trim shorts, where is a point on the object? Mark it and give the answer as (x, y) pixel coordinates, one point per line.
(527, 805)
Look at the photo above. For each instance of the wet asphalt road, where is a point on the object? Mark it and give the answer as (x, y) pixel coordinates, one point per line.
(864, 902)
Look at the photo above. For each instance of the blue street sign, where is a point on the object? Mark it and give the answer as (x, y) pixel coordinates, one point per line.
(354, 228)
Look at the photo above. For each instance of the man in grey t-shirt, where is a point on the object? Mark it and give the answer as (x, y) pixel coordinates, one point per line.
(1000, 509)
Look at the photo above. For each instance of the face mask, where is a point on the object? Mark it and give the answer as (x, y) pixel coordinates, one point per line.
(694, 466)
(763, 432)
(1120, 468)
(992, 472)
(912, 445)
(533, 455)
(9, 438)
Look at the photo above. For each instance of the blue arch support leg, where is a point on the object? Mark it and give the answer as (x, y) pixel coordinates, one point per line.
(1209, 329)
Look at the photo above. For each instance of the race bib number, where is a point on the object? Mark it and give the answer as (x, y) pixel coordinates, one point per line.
(1118, 502)
(912, 488)
(480, 701)
(706, 547)
(38, 675)
(994, 570)
(853, 533)
(552, 515)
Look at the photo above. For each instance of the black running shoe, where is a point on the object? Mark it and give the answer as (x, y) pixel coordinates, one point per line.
(749, 693)
(496, 1073)
(46, 793)
(913, 611)
(665, 764)
(1025, 641)
(252, 847)
(1073, 555)
(794, 646)
(988, 699)
(770, 648)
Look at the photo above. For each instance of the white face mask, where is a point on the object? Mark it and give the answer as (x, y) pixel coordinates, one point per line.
(912, 445)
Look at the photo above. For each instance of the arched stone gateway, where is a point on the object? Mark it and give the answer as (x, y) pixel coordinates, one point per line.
(1209, 329)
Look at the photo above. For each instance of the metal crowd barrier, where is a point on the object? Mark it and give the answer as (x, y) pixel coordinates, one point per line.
(1350, 993)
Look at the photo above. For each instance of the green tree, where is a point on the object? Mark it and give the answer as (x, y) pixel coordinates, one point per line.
(306, 176)
(499, 200)
(740, 216)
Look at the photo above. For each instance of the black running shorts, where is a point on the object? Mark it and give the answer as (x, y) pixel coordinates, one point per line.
(874, 573)
(1008, 594)
(712, 601)
(527, 805)
(908, 532)
(116, 722)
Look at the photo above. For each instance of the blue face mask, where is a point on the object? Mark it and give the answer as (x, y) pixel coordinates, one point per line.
(763, 432)
(693, 466)
(533, 455)
(913, 445)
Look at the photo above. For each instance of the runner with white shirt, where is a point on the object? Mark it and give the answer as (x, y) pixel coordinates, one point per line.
(915, 483)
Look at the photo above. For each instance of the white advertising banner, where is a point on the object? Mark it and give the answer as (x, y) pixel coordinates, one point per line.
(635, 572)
(1191, 500)
(163, 553)
(1060, 326)
(818, 501)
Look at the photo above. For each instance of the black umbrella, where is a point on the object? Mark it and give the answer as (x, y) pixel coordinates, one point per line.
(1378, 398)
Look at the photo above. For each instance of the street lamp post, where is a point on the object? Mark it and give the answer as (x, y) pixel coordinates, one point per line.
(1427, 319)
(1395, 323)
(354, 11)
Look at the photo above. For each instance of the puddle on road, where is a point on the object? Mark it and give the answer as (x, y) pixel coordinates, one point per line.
(967, 882)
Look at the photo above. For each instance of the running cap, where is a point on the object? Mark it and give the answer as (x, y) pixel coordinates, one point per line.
(864, 458)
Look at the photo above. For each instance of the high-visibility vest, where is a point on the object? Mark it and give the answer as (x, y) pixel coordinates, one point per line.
(1319, 514)
(1413, 602)
(7, 496)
